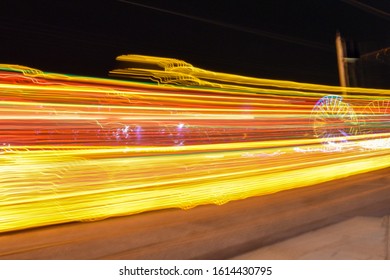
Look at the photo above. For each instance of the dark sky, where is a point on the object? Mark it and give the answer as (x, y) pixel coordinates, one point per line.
(281, 39)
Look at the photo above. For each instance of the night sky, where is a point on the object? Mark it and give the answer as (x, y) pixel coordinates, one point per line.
(279, 39)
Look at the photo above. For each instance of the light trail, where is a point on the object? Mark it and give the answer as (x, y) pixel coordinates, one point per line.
(80, 149)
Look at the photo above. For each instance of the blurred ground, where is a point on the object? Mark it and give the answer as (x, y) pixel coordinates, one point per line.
(341, 214)
(360, 238)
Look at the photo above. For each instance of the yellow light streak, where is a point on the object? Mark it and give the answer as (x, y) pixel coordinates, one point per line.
(80, 149)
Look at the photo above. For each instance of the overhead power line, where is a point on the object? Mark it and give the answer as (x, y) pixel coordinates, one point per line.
(267, 34)
(368, 9)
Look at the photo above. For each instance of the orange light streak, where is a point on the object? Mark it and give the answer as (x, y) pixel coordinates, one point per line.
(79, 149)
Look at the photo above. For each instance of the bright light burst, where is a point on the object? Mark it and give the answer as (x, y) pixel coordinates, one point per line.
(80, 149)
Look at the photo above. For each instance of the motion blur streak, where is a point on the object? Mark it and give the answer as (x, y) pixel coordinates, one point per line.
(82, 149)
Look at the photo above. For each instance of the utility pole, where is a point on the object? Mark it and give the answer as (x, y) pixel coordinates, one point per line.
(340, 49)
